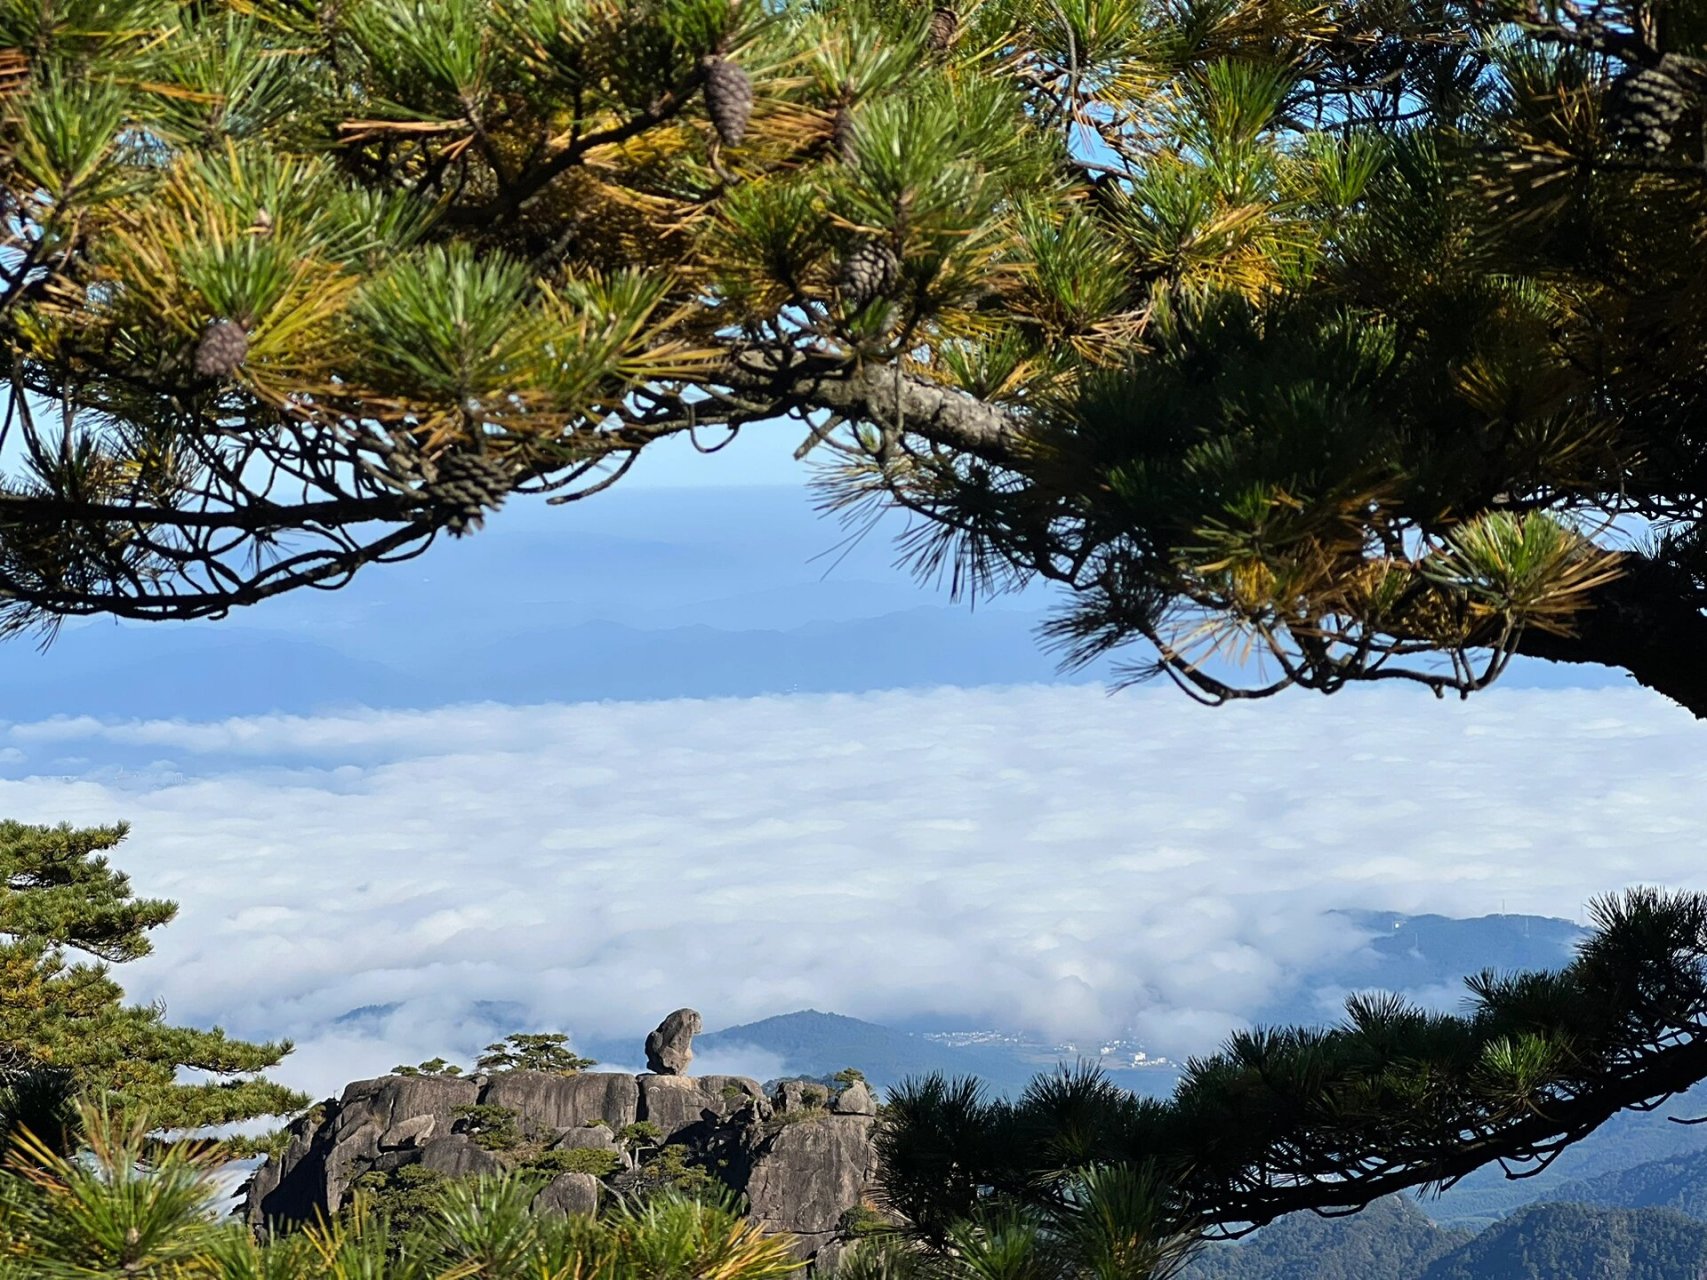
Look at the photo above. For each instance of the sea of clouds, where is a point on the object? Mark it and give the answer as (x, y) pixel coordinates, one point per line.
(1051, 858)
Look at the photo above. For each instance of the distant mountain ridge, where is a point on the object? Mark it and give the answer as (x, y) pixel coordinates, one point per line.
(1580, 1242)
(1628, 1141)
(168, 673)
(1425, 956)
(813, 1043)
(640, 594)
(1390, 1240)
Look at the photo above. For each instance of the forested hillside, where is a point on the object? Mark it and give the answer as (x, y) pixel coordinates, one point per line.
(1393, 1240)
(1583, 1242)
(1679, 1182)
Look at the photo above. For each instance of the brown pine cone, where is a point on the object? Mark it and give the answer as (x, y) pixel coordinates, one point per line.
(868, 273)
(223, 348)
(728, 99)
(467, 486)
(945, 25)
(1644, 107)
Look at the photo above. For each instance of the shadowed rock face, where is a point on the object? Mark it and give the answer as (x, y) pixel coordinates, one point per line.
(801, 1163)
(456, 1155)
(669, 1049)
(385, 1121)
(809, 1173)
(679, 1103)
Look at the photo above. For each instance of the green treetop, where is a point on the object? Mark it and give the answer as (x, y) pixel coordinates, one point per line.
(59, 895)
(1366, 340)
(518, 1051)
(431, 1067)
(534, 1051)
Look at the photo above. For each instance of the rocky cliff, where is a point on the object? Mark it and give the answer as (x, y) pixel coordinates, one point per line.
(802, 1155)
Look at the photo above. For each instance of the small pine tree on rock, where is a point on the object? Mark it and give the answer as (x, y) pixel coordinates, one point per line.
(534, 1051)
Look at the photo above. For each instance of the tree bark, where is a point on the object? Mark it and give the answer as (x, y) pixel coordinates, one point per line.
(1649, 622)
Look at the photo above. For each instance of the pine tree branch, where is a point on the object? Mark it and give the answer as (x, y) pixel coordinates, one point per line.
(1659, 1075)
(1649, 621)
(882, 395)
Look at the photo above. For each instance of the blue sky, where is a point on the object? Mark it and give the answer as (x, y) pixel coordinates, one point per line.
(659, 588)
(601, 761)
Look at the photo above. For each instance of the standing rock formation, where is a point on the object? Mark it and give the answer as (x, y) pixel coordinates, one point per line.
(669, 1049)
(855, 1100)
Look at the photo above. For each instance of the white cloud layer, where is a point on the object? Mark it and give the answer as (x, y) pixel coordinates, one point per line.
(1051, 858)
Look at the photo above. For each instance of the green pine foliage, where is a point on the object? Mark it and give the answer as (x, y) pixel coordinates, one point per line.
(599, 1163)
(1286, 1120)
(1354, 340)
(640, 1135)
(132, 1207)
(491, 1126)
(520, 1051)
(673, 1170)
(59, 895)
(405, 1198)
(127, 1207)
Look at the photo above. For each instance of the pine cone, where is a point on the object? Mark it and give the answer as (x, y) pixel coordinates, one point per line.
(868, 273)
(842, 134)
(945, 25)
(467, 486)
(728, 99)
(1643, 108)
(223, 348)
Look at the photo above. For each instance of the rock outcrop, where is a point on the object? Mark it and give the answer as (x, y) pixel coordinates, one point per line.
(457, 1155)
(378, 1124)
(855, 1100)
(567, 1102)
(803, 1154)
(809, 1173)
(569, 1193)
(680, 1104)
(669, 1049)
